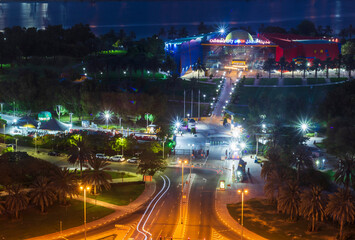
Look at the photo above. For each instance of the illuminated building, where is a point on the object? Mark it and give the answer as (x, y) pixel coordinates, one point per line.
(238, 50)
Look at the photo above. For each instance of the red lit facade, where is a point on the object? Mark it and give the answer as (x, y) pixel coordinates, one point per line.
(293, 46)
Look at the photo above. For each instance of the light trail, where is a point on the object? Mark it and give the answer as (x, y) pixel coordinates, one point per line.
(160, 195)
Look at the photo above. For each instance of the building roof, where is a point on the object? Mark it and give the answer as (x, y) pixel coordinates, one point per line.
(292, 40)
(239, 34)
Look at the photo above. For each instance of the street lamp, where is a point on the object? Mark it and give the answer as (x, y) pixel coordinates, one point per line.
(107, 116)
(16, 144)
(182, 187)
(304, 127)
(242, 191)
(85, 188)
(204, 97)
(188, 115)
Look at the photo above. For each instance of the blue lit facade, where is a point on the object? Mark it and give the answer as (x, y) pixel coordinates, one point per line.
(187, 51)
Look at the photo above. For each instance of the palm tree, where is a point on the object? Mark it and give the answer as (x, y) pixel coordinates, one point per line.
(42, 193)
(349, 63)
(327, 63)
(171, 32)
(301, 159)
(97, 176)
(345, 173)
(289, 200)
(2, 208)
(303, 67)
(282, 64)
(16, 200)
(269, 65)
(313, 205)
(64, 183)
(292, 67)
(341, 208)
(316, 66)
(199, 66)
(79, 151)
(183, 32)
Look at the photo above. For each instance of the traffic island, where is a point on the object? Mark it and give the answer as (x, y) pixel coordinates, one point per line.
(262, 218)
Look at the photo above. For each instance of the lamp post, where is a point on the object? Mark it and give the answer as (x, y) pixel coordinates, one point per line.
(107, 116)
(242, 191)
(16, 144)
(85, 188)
(182, 188)
(4, 133)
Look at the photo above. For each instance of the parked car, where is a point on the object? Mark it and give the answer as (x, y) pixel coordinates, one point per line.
(117, 158)
(53, 153)
(101, 156)
(133, 160)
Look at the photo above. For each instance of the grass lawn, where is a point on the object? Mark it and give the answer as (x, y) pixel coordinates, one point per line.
(311, 95)
(261, 218)
(268, 81)
(121, 193)
(249, 81)
(315, 80)
(119, 174)
(338, 79)
(33, 223)
(292, 81)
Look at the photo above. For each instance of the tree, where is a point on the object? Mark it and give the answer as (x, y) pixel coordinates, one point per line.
(119, 143)
(292, 67)
(183, 32)
(307, 28)
(282, 64)
(349, 64)
(199, 66)
(162, 32)
(341, 208)
(316, 66)
(171, 32)
(202, 28)
(348, 48)
(79, 151)
(303, 67)
(150, 164)
(60, 110)
(42, 193)
(313, 206)
(345, 172)
(96, 175)
(301, 159)
(65, 184)
(269, 65)
(327, 63)
(289, 200)
(16, 200)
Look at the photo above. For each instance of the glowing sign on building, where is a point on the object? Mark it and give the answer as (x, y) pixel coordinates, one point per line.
(239, 41)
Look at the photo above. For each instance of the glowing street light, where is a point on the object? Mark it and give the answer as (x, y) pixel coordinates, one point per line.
(304, 127)
(107, 117)
(242, 191)
(85, 188)
(243, 145)
(263, 126)
(222, 30)
(182, 187)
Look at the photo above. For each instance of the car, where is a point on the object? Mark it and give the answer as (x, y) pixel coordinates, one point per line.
(101, 156)
(133, 160)
(53, 153)
(117, 158)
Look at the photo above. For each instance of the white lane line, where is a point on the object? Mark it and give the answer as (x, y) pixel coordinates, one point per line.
(154, 207)
(138, 225)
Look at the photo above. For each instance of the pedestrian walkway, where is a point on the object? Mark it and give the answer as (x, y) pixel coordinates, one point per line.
(120, 211)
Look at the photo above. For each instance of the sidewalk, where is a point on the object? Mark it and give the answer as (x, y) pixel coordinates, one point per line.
(229, 196)
(120, 211)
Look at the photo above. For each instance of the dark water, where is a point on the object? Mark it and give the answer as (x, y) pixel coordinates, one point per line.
(147, 17)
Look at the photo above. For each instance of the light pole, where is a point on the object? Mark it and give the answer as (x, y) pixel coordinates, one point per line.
(163, 146)
(83, 188)
(182, 188)
(242, 191)
(4, 133)
(107, 116)
(204, 97)
(16, 144)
